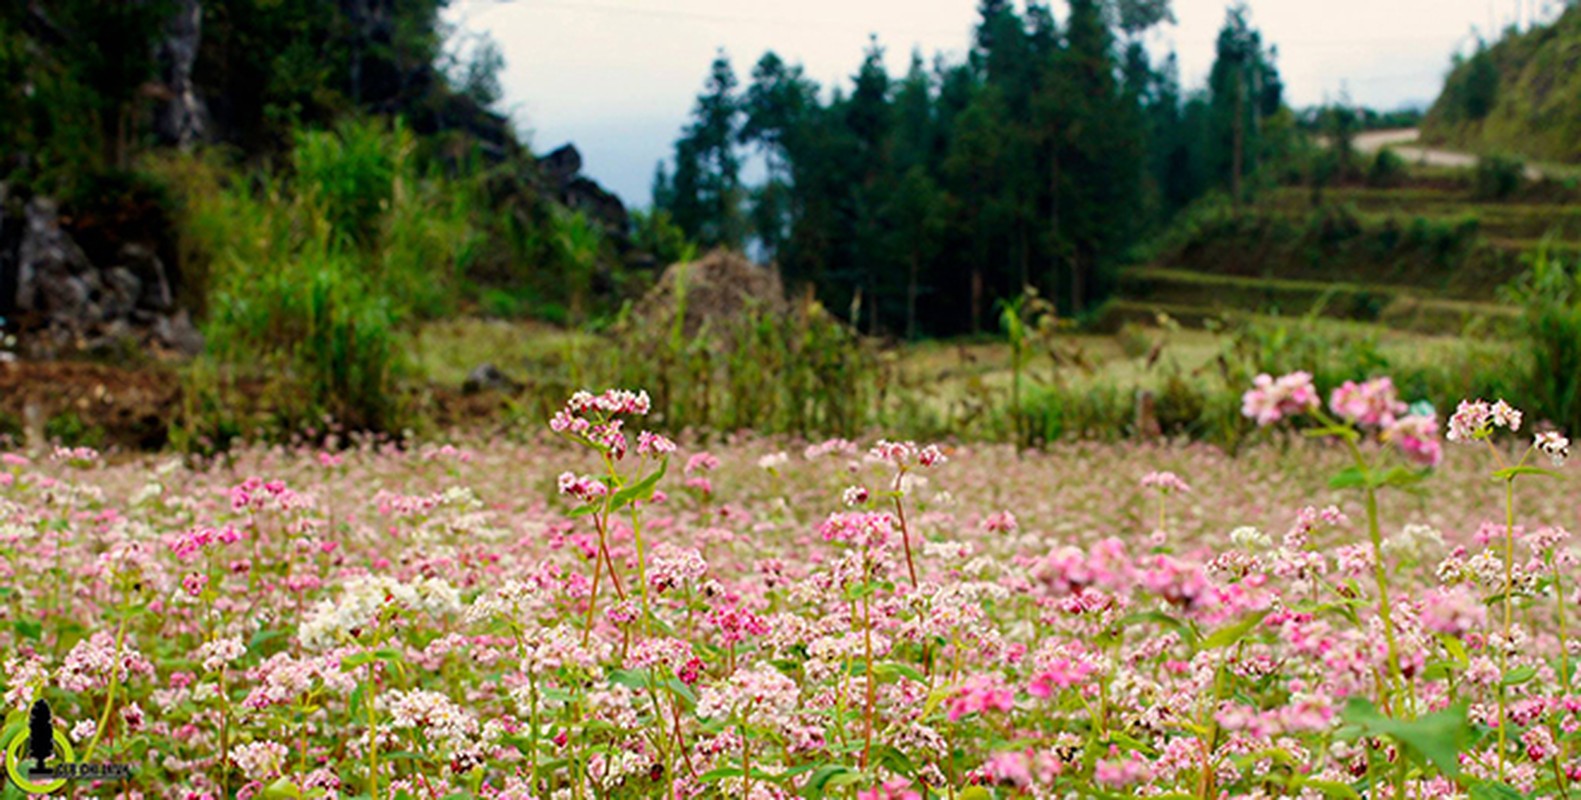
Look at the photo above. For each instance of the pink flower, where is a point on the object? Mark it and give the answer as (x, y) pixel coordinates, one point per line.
(1164, 482)
(1374, 403)
(980, 694)
(1416, 436)
(701, 462)
(1271, 400)
(653, 444)
(1476, 419)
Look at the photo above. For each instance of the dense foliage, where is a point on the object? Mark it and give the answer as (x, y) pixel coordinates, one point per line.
(913, 203)
(1517, 94)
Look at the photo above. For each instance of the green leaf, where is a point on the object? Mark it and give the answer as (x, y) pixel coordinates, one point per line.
(1348, 478)
(282, 788)
(581, 511)
(1518, 676)
(1456, 649)
(641, 491)
(889, 670)
(975, 793)
(28, 629)
(1231, 634)
(357, 696)
(1491, 790)
(1509, 473)
(631, 678)
(820, 778)
(1333, 789)
(1438, 737)
(1400, 477)
(1159, 617)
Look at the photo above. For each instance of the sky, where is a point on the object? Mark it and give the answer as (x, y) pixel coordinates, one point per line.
(619, 77)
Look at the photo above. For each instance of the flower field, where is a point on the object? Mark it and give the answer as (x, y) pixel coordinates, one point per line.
(601, 612)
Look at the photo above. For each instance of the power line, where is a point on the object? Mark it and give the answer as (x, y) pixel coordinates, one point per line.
(692, 16)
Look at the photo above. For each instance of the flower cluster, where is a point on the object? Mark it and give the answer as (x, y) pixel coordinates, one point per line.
(1271, 400)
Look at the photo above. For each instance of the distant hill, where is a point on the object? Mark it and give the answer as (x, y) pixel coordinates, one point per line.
(1521, 95)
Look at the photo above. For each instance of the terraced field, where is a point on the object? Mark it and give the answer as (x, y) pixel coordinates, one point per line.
(1427, 256)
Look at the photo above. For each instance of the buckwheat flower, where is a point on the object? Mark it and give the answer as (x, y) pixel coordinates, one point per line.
(773, 461)
(259, 761)
(84, 730)
(1120, 772)
(1506, 416)
(1001, 522)
(220, 652)
(1416, 437)
(1453, 611)
(26, 676)
(1165, 482)
(1472, 420)
(701, 462)
(92, 660)
(1250, 538)
(760, 692)
(673, 567)
(1374, 403)
(871, 529)
(897, 453)
(1546, 540)
(585, 489)
(979, 694)
(1554, 445)
(652, 444)
(1413, 542)
(1270, 400)
(832, 446)
(931, 456)
(437, 716)
(855, 495)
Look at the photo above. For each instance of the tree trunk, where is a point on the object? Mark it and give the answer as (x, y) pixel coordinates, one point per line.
(977, 299)
(1077, 285)
(1054, 250)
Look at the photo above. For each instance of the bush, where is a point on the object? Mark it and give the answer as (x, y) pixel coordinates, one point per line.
(1549, 294)
(313, 280)
(1387, 170)
(1497, 177)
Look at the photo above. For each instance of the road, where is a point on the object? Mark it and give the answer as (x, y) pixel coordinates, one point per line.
(1401, 140)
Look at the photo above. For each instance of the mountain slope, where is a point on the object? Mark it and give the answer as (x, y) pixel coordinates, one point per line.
(1521, 95)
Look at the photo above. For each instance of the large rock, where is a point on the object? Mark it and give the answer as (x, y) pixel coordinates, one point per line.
(62, 302)
(55, 281)
(562, 170)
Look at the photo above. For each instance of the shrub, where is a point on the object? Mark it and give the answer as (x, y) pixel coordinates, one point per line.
(1549, 294)
(1387, 170)
(1497, 177)
(313, 280)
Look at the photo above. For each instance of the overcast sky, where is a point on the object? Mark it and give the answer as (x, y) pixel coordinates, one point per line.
(618, 77)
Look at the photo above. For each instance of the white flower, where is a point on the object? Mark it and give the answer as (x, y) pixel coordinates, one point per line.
(1553, 445)
(773, 461)
(1250, 538)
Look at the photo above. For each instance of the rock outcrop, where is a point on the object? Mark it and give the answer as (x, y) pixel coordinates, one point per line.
(52, 291)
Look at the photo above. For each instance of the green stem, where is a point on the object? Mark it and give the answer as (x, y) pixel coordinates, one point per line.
(109, 700)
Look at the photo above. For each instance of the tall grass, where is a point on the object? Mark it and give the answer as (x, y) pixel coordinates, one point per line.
(313, 277)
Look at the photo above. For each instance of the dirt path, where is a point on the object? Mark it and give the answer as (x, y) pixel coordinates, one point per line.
(1402, 141)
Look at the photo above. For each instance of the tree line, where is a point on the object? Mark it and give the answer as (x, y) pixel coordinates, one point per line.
(912, 203)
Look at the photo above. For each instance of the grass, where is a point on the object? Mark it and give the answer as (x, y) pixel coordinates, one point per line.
(445, 351)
